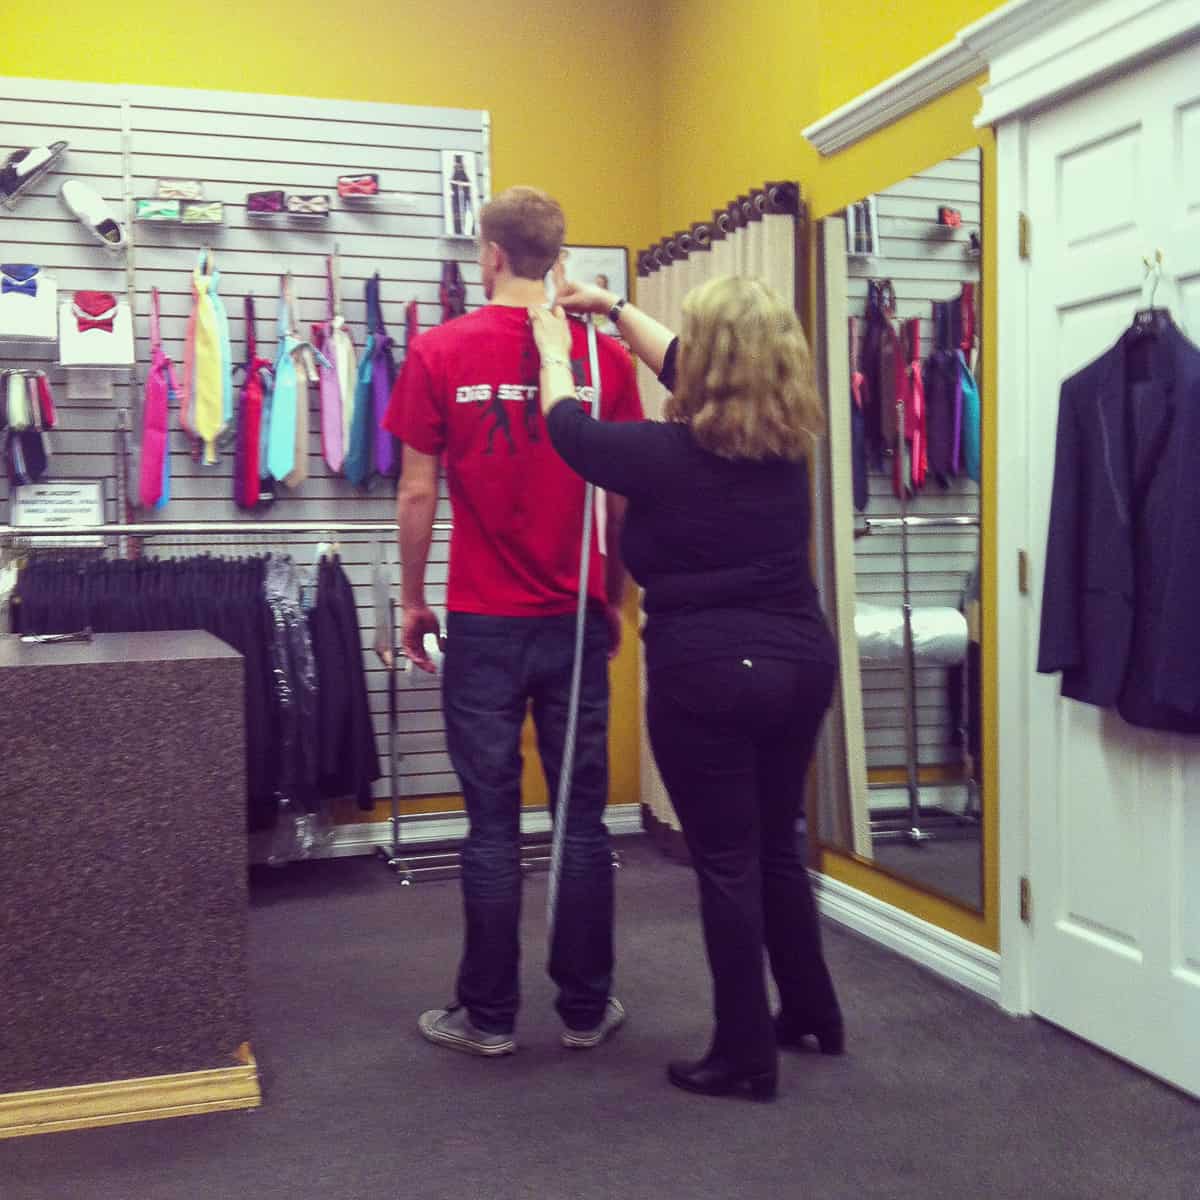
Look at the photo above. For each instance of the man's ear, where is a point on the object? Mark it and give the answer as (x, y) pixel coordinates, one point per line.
(497, 259)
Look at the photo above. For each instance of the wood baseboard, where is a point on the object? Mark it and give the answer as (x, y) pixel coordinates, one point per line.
(122, 1101)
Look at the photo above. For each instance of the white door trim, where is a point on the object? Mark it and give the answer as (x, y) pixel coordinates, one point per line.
(1013, 534)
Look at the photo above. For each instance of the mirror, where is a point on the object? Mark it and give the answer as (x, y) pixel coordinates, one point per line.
(900, 560)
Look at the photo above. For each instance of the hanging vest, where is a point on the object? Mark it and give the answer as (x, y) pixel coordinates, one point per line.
(383, 379)
(248, 466)
(208, 358)
(161, 388)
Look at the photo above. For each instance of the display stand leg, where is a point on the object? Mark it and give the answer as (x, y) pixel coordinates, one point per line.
(392, 853)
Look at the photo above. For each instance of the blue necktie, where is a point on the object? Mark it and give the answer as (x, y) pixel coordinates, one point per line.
(21, 287)
(20, 278)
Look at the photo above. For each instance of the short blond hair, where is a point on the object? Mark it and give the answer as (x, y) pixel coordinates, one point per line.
(529, 226)
(744, 381)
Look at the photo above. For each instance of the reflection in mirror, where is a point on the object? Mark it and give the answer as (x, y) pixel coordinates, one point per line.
(909, 467)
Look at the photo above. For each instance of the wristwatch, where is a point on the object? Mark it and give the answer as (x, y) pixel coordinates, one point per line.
(614, 313)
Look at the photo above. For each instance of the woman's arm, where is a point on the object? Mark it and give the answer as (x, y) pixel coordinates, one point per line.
(645, 335)
(619, 456)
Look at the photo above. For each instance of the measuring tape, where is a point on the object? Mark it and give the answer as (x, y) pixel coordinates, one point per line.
(568, 757)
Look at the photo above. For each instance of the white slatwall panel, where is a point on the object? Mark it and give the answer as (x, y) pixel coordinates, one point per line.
(234, 144)
(926, 262)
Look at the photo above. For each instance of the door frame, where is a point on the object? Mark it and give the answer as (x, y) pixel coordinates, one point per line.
(1036, 61)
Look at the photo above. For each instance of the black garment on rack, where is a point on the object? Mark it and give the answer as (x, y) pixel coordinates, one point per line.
(1123, 549)
(941, 387)
(348, 760)
(880, 366)
(227, 599)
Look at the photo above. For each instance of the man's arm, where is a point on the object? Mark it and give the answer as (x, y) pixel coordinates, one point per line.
(416, 503)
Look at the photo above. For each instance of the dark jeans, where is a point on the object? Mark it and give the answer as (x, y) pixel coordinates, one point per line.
(495, 667)
(733, 739)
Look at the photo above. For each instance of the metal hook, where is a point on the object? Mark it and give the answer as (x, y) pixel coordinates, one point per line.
(1154, 268)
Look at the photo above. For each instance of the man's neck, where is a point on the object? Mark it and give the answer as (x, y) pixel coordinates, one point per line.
(519, 293)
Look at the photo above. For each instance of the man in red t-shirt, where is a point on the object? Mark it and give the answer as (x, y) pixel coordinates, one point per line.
(468, 396)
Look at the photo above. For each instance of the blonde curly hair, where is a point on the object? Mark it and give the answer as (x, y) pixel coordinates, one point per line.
(744, 379)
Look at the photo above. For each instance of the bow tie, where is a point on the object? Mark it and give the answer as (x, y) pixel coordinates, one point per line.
(20, 278)
(358, 185)
(309, 206)
(264, 202)
(94, 310)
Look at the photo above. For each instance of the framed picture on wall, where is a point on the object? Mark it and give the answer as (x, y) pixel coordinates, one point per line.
(460, 193)
(604, 266)
(862, 229)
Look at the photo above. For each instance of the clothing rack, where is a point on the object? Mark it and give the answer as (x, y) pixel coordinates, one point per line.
(917, 825)
(436, 861)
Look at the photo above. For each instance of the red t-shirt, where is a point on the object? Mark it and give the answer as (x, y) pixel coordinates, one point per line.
(469, 393)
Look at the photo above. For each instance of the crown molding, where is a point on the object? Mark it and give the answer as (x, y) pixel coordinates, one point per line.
(886, 103)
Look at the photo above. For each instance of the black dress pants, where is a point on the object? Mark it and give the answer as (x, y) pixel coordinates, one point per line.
(733, 738)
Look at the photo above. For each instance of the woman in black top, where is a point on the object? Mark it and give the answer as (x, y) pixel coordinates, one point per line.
(740, 663)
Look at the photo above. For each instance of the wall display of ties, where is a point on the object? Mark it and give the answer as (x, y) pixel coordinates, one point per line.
(28, 303)
(95, 329)
(206, 389)
(26, 413)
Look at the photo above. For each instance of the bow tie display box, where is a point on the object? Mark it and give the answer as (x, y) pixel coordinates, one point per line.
(101, 339)
(123, 948)
(28, 309)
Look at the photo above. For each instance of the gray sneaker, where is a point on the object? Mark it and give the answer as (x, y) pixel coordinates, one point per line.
(452, 1027)
(587, 1039)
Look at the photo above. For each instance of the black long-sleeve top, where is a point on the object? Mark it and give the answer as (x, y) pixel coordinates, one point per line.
(719, 545)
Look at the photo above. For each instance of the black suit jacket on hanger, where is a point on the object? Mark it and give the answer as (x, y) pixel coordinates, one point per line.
(1122, 591)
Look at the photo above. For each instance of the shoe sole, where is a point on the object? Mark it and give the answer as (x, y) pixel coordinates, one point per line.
(573, 1040)
(464, 1045)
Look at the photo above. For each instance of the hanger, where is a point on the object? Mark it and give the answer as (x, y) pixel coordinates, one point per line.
(1151, 321)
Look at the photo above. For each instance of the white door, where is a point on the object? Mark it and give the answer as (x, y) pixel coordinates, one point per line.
(1113, 175)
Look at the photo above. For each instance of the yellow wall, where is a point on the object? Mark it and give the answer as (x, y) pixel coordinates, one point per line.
(738, 86)
(570, 87)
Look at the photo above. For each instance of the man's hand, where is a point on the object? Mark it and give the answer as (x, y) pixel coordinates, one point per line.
(416, 623)
(612, 614)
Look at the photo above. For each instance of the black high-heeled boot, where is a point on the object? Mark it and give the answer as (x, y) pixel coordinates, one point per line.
(830, 1033)
(711, 1077)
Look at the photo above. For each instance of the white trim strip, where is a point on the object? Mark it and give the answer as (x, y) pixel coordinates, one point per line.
(946, 954)
(349, 840)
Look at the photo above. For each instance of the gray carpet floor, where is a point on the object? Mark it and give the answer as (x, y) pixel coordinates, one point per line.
(941, 1095)
(952, 868)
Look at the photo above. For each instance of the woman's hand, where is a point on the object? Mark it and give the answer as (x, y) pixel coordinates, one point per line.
(551, 332)
(582, 297)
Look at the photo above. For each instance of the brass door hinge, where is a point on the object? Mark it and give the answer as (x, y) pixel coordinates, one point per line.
(1023, 572)
(1023, 235)
(1026, 900)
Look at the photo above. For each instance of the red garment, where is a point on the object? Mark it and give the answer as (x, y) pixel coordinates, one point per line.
(46, 399)
(469, 392)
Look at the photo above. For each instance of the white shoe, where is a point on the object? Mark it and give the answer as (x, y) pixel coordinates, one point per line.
(93, 214)
(589, 1039)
